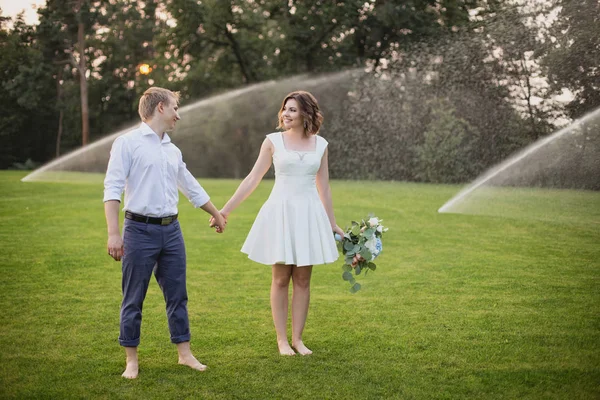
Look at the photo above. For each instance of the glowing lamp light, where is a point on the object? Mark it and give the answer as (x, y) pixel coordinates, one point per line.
(145, 69)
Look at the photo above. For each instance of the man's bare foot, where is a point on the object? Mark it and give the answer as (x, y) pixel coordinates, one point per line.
(131, 370)
(191, 362)
(186, 358)
(301, 348)
(285, 349)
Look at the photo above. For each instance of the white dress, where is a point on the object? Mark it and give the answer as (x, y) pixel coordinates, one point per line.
(292, 226)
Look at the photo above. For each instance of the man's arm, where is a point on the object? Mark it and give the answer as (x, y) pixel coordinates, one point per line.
(191, 189)
(114, 183)
(115, 241)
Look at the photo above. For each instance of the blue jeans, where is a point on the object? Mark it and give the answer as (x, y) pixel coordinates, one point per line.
(147, 245)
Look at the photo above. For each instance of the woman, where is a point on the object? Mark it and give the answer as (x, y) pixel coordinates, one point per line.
(294, 229)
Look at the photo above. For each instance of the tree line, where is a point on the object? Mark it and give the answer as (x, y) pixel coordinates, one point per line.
(464, 82)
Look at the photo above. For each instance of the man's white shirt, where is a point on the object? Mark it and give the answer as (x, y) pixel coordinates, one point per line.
(149, 171)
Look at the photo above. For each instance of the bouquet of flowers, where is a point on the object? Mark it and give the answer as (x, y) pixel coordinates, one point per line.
(361, 245)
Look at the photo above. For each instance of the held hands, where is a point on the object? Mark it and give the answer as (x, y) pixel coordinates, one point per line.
(115, 247)
(219, 222)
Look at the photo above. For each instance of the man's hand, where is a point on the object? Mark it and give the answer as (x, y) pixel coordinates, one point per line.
(219, 222)
(115, 247)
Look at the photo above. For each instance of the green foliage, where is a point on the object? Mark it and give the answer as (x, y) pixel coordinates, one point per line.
(444, 154)
(389, 111)
(27, 165)
(418, 52)
(26, 86)
(356, 245)
(573, 54)
(127, 42)
(198, 48)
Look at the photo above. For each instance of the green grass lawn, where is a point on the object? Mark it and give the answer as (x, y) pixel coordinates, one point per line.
(461, 306)
(557, 205)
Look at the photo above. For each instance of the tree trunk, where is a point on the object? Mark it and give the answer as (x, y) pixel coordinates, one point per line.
(59, 94)
(528, 95)
(245, 69)
(83, 89)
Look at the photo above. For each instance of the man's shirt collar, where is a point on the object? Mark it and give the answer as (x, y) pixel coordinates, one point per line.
(146, 130)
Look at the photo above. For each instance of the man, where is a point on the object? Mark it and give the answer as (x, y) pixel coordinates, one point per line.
(149, 168)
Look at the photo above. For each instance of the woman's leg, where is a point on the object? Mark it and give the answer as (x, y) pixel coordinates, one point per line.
(279, 305)
(300, 301)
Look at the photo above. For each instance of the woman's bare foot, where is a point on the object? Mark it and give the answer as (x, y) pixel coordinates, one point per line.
(285, 349)
(301, 348)
(131, 370)
(192, 362)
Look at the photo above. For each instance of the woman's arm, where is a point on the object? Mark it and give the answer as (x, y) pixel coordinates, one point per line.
(261, 166)
(325, 193)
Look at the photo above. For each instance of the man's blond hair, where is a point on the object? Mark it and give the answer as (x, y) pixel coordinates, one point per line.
(150, 99)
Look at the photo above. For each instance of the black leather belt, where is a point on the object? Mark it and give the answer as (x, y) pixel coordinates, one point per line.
(151, 220)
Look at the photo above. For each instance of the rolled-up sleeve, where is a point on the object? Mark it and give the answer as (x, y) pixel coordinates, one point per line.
(190, 187)
(117, 171)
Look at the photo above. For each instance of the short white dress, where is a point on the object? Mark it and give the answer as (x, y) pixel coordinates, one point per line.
(292, 226)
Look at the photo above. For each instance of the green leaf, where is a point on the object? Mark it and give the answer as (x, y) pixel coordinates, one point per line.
(352, 281)
(347, 276)
(371, 266)
(366, 254)
(369, 232)
(355, 288)
(348, 245)
(355, 230)
(357, 269)
(346, 267)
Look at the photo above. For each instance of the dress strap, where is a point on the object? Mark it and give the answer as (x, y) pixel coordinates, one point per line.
(277, 140)
(321, 145)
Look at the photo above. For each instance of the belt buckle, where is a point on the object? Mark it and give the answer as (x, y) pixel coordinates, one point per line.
(166, 221)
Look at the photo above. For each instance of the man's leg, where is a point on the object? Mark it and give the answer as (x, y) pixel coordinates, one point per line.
(141, 251)
(171, 276)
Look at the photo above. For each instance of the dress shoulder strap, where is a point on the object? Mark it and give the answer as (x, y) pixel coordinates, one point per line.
(276, 139)
(321, 145)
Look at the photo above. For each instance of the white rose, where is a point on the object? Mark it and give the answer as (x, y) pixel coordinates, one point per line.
(380, 228)
(371, 244)
(373, 221)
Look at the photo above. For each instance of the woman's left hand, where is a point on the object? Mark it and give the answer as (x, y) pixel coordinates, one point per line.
(339, 231)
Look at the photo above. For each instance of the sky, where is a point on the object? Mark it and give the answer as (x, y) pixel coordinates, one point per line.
(10, 8)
